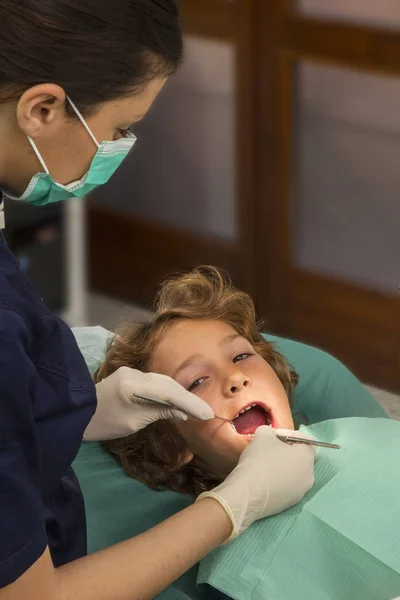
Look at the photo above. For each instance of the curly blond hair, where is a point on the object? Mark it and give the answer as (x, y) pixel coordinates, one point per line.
(154, 454)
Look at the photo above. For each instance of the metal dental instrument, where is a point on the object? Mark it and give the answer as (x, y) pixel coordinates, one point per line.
(154, 400)
(299, 440)
(291, 439)
(294, 439)
(284, 438)
(166, 403)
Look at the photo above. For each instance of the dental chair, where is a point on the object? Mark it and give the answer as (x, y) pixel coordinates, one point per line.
(119, 507)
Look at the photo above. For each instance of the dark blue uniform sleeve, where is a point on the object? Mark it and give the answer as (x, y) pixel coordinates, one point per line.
(22, 527)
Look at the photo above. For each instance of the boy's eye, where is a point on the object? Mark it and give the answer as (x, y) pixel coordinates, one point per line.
(196, 384)
(240, 357)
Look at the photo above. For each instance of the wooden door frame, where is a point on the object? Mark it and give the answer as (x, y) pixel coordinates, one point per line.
(360, 326)
(121, 244)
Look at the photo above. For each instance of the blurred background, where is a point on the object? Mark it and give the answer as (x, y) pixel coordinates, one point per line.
(273, 153)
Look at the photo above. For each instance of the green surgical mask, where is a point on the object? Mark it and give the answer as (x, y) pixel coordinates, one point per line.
(42, 188)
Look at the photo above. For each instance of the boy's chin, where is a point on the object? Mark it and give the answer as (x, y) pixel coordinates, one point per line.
(242, 442)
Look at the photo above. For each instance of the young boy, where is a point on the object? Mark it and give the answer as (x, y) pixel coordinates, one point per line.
(204, 335)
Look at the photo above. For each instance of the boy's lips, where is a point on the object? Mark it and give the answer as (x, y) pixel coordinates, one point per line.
(250, 417)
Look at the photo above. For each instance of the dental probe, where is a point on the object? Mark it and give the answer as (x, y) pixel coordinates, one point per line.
(284, 438)
(166, 403)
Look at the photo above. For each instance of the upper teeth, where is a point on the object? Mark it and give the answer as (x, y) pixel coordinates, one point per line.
(244, 410)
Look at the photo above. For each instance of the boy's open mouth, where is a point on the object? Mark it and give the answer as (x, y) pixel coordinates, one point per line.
(250, 418)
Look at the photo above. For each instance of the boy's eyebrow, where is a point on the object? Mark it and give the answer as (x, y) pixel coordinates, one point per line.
(230, 338)
(191, 359)
(187, 363)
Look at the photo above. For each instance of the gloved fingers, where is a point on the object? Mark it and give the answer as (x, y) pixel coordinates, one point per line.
(165, 388)
(152, 415)
(190, 404)
(269, 433)
(264, 437)
(171, 414)
(298, 434)
(305, 448)
(154, 412)
(263, 433)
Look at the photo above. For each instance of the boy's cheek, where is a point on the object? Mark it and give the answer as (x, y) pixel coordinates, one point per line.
(195, 428)
(212, 442)
(197, 434)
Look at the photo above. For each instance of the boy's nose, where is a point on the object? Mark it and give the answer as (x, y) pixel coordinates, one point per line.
(237, 382)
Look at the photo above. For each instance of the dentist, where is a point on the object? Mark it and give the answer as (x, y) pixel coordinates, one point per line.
(74, 76)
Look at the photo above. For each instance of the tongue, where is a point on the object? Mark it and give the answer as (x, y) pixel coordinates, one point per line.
(250, 420)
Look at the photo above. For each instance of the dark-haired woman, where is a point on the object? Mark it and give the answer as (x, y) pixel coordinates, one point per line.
(74, 76)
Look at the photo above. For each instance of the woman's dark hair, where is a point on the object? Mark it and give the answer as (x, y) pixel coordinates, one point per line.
(96, 50)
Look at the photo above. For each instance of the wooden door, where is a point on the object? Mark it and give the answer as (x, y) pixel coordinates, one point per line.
(328, 178)
(185, 195)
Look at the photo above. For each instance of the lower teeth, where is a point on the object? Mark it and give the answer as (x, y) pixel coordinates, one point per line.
(245, 434)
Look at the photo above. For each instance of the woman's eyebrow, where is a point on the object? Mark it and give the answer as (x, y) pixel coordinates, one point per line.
(188, 362)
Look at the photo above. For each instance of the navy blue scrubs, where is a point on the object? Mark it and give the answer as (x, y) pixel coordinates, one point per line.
(47, 398)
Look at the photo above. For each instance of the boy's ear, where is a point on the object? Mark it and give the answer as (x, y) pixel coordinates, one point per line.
(186, 457)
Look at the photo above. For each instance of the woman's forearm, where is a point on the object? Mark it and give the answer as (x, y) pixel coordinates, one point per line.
(143, 566)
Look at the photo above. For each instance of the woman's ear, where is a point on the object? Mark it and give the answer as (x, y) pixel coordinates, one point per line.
(41, 109)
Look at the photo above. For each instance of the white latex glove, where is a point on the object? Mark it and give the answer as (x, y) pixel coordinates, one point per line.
(119, 413)
(271, 476)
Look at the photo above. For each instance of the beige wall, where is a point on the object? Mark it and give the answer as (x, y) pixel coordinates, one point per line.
(181, 171)
(376, 12)
(347, 199)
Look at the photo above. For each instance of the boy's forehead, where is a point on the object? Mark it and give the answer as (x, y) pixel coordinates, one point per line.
(186, 337)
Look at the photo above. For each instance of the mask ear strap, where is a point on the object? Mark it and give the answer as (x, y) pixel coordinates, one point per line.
(82, 120)
(40, 158)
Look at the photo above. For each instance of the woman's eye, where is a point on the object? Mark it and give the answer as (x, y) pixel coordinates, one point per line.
(196, 384)
(242, 356)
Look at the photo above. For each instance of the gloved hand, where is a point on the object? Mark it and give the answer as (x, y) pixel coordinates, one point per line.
(270, 477)
(119, 413)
